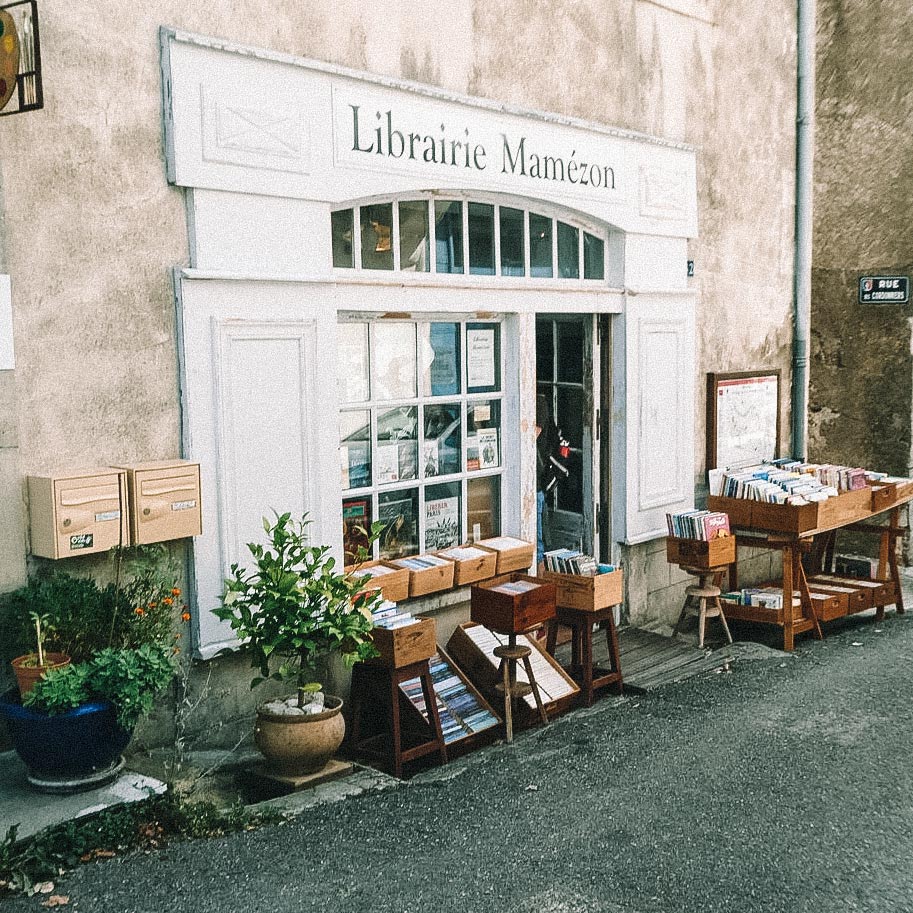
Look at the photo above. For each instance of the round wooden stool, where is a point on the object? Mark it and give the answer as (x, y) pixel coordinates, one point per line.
(703, 600)
(510, 654)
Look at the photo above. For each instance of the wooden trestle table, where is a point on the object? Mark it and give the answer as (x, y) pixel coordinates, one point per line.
(852, 511)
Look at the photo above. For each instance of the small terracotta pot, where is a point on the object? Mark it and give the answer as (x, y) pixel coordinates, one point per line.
(297, 745)
(27, 675)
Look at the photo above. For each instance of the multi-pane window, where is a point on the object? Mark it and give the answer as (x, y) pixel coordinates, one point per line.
(420, 432)
(464, 237)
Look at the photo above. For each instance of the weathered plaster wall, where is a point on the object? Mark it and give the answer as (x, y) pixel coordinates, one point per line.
(861, 370)
(93, 229)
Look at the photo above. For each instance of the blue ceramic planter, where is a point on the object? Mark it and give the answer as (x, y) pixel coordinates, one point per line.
(71, 745)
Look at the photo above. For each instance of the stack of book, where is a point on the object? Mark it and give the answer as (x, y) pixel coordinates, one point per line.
(372, 570)
(387, 615)
(570, 561)
(698, 524)
(460, 711)
(515, 587)
(422, 562)
(766, 597)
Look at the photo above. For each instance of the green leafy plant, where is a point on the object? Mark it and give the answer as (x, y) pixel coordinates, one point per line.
(128, 678)
(294, 608)
(121, 636)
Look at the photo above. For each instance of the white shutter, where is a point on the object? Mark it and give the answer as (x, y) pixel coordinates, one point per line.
(659, 403)
(249, 393)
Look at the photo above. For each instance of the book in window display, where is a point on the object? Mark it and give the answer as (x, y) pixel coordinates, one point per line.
(356, 522)
(387, 468)
(399, 516)
(442, 523)
(473, 461)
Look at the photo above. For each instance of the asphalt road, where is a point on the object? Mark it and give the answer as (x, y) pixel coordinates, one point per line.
(783, 786)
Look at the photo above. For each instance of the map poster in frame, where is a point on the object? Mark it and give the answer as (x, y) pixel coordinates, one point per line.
(743, 418)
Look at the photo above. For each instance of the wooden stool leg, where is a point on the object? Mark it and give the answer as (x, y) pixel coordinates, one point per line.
(508, 701)
(614, 656)
(395, 728)
(702, 621)
(723, 618)
(586, 633)
(682, 615)
(532, 681)
(551, 641)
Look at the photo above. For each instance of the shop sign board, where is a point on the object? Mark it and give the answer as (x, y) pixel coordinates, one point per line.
(884, 289)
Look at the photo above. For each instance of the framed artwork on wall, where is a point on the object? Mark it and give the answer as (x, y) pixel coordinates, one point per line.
(743, 418)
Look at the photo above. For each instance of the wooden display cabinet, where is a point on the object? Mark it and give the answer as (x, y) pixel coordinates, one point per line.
(512, 612)
(587, 593)
(403, 646)
(701, 553)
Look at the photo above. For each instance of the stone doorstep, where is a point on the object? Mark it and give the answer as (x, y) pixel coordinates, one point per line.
(34, 811)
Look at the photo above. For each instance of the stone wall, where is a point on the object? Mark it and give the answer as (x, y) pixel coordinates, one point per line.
(861, 389)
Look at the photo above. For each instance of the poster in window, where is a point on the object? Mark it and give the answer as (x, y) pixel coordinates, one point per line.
(442, 523)
(399, 516)
(444, 371)
(488, 448)
(431, 456)
(480, 358)
(387, 467)
(472, 452)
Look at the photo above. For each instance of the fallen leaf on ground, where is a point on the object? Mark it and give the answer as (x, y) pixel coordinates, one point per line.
(56, 900)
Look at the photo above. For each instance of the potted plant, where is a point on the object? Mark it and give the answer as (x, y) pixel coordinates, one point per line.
(294, 610)
(30, 667)
(71, 727)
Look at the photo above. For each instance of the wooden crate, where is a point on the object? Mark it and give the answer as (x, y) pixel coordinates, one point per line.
(847, 507)
(888, 494)
(400, 647)
(828, 606)
(393, 586)
(471, 646)
(877, 590)
(429, 579)
(513, 554)
(739, 509)
(471, 570)
(699, 553)
(589, 594)
(512, 612)
(464, 741)
(858, 600)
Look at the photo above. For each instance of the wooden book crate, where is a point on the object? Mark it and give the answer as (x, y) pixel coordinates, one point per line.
(393, 586)
(512, 612)
(399, 647)
(472, 646)
(513, 554)
(700, 553)
(428, 579)
(471, 570)
(587, 593)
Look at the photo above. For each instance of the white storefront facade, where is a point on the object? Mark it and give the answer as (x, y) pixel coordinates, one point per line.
(384, 275)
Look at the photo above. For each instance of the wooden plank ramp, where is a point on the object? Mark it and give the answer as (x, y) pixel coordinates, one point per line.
(650, 660)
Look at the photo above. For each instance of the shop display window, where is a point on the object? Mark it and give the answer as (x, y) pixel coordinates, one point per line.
(377, 236)
(343, 229)
(540, 246)
(448, 231)
(420, 424)
(568, 251)
(414, 245)
(481, 239)
(406, 235)
(593, 257)
(513, 242)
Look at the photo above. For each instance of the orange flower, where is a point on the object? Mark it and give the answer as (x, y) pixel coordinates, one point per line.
(139, 610)
(175, 591)
(167, 600)
(151, 605)
(185, 616)
(175, 650)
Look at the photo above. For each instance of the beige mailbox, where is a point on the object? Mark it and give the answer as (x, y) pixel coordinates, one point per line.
(164, 500)
(78, 513)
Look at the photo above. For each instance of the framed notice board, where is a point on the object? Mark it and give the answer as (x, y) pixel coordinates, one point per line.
(743, 418)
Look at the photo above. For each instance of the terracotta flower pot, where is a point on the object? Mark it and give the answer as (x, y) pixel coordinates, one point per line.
(298, 745)
(28, 671)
